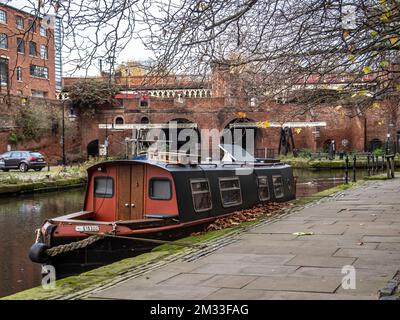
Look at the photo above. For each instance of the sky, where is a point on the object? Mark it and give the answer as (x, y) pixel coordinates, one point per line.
(133, 51)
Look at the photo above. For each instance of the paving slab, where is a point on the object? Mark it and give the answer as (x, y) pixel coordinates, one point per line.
(392, 246)
(375, 274)
(133, 291)
(187, 279)
(363, 287)
(228, 281)
(376, 238)
(285, 248)
(293, 283)
(305, 260)
(245, 269)
(266, 259)
(360, 228)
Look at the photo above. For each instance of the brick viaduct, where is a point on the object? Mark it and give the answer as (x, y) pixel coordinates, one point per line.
(212, 113)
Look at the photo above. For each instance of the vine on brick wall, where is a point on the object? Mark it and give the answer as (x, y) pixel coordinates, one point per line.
(90, 95)
(34, 122)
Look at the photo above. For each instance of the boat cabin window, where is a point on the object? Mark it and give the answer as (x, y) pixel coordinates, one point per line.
(201, 194)
(160, 189)
(103, 187)
(263, 189)
(231, 194)
(278, 186)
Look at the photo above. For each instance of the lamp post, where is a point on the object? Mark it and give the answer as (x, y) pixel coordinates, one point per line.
(106, 139)
(63, 134)
(71, 116)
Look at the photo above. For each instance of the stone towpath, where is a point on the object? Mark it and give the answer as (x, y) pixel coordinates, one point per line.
(360, 227)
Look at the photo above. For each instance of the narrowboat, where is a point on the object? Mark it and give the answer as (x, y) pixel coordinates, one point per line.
(130, 201)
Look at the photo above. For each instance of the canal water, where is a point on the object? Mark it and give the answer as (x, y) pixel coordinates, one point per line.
(20, 216)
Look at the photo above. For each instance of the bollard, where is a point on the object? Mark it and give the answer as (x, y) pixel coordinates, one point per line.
(383, 160)
(373, 164)
(368, 164)
(388, 166)
(393, 167)
(354, 168)
(347, 169)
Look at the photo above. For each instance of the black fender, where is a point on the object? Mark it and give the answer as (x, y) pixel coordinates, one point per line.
(37, 253)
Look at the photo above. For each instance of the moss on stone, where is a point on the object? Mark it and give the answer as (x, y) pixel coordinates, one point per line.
(377, 177)
(306, 163)
(31, 187)
(96, 277)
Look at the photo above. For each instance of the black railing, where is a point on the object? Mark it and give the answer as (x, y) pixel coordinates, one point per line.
(375, 165)
(390, 166)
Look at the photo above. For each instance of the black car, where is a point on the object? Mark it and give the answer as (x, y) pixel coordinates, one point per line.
(22, 160)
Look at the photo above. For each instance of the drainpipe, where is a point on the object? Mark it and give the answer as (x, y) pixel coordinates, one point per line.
(365, 133)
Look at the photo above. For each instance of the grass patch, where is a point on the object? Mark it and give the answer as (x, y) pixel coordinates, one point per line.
(309, 163)
(376, 177)
(99, 276)
(41, 185)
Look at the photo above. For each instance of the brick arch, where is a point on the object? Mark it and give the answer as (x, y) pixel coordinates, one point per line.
(258, 134)
(183, 117)
(231, 119)
(119, 117)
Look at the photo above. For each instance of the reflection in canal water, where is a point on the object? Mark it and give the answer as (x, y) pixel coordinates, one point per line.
(21, 215)
(313, 181)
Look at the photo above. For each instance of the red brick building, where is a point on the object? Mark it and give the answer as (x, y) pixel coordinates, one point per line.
(27, 54)
(214, 104)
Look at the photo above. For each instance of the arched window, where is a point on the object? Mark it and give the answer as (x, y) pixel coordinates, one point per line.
(119, 120)
(144, 120)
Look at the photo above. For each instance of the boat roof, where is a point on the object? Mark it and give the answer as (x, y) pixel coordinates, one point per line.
(173, 167)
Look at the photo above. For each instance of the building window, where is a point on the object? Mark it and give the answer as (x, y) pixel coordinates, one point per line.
(32, 48)
(103, 187)
(20, 45)
(19, 73)
(3, 41)
(144, 102)
(3, 71)
(144, 120)
(43, 51)
(160, 189)
(38, 71)
(39, 93)
(19, 22)
(231, 194)
(119, 120)
(3, 16)
(43, 31)
(263, 189)
(32, 25)
(201, 194)
(278, 186)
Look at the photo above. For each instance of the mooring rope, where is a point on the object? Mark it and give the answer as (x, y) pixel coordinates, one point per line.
(63, 248)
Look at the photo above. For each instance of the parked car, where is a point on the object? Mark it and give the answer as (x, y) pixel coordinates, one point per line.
(22, 160)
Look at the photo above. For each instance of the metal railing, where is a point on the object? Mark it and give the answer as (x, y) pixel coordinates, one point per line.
(375, 165)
